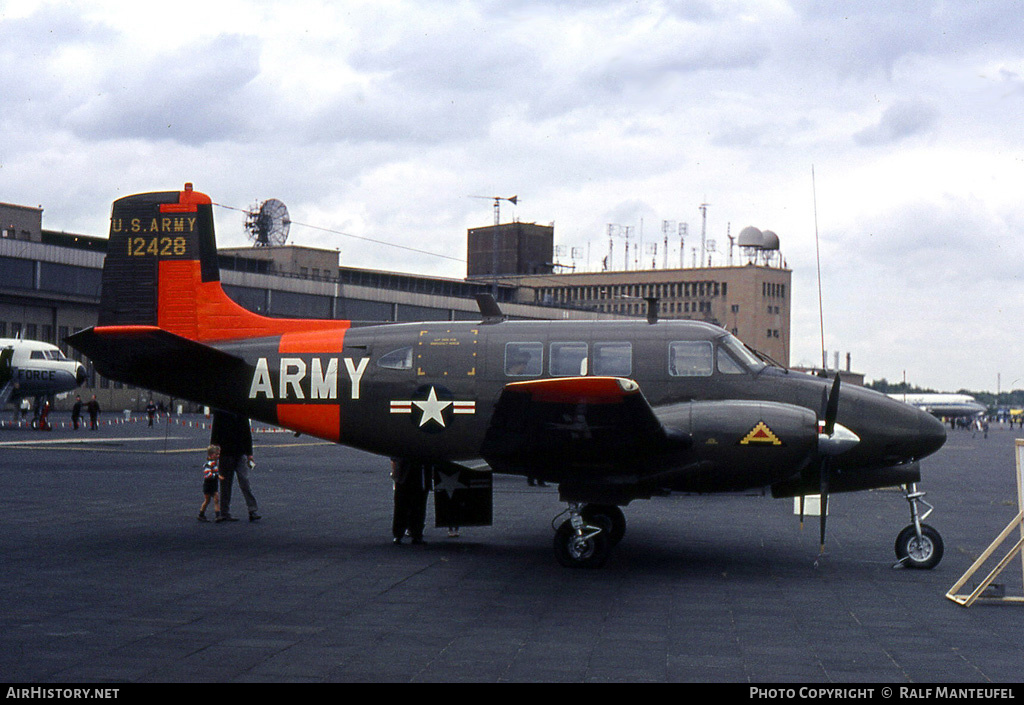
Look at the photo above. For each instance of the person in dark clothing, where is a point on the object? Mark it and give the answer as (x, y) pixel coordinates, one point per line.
(76, 412)
(413, 481)
(232, 433)
(94, 410)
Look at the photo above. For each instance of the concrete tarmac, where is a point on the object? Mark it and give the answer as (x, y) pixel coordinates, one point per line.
(106, 576)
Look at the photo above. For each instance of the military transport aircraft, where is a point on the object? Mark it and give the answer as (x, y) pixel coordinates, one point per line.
(612, 411)
(30, 368)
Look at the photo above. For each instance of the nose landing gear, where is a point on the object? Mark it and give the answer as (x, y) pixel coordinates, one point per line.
(918, 545)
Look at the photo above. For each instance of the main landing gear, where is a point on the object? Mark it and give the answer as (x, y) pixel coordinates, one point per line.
(918, 545)
(587, 537)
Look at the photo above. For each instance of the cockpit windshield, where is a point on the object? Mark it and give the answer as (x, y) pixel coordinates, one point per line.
(741, 353)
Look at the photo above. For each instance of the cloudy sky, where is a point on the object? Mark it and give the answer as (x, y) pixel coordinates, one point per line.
(380, 119)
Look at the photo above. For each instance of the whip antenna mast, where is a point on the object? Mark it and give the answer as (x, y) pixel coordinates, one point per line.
(817, 251)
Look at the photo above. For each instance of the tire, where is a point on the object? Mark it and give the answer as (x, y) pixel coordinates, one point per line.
(574, 551)
(609, 518)
(922, 555)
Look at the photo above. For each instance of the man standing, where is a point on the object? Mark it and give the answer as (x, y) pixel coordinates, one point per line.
(413, 481)
(94, 411)
(231, 432)
(76, 412)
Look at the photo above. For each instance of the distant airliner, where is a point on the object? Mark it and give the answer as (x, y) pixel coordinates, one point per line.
(948, 405)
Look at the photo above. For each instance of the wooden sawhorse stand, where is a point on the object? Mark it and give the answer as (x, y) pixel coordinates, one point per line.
(1017, 522)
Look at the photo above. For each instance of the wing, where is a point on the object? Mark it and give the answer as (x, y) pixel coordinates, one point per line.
(601, 440)
(576, 426)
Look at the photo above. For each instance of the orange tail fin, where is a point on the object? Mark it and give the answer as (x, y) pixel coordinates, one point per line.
(161, 270)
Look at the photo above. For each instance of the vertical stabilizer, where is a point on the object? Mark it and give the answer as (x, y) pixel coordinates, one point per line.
(161, 270)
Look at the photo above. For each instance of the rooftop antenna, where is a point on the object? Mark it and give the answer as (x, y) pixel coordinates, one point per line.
(268, 224)
(732, 240)
(682, 245)
(625, 232)
(666, 227)
(703, 229)
(497, 204)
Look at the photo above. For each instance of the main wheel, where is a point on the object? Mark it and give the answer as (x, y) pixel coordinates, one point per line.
(922, 553)
(609, 518)
(590, 550)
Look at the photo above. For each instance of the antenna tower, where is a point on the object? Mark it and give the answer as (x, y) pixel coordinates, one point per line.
(497, 204)
(703, 230)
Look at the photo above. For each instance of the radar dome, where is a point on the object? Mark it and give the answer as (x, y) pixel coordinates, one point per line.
(751, 237)
(771, 240)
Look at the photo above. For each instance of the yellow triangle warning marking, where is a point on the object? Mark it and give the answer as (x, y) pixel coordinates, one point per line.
(761, 435)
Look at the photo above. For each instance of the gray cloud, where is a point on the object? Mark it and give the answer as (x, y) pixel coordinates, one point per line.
(899, 121)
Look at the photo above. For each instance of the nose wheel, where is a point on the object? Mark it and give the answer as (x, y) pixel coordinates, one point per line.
(919, 545)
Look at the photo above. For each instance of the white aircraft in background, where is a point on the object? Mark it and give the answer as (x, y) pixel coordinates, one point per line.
(30, 368)
(948, 405)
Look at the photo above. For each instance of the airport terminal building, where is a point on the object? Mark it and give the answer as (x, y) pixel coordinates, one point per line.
(50, 288)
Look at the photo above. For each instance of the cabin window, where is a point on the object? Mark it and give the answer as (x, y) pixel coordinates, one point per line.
(400, 359)
(37, 355)
(613, 359)
(727, 364)
(740, 352)
(524, 359)
(568, 359)
(691, 358)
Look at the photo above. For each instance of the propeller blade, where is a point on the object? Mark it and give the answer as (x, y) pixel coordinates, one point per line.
(832, 409)
(826, 469)
(824, 502)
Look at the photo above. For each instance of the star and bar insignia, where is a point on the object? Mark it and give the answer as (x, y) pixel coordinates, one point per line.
(431, 408)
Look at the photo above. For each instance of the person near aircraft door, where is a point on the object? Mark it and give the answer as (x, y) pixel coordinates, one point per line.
(232, 433)
(413, 481)
(211, 475)
(43, 424)
(94, 411)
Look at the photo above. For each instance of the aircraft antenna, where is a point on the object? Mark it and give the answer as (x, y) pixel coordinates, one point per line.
(269, 224)
(817, 251)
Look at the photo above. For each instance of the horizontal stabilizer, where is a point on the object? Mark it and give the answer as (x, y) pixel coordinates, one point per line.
(150, 357)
